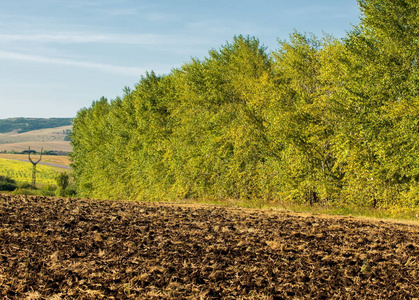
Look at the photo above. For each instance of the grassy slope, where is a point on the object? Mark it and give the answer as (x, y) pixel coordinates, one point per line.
(48, 139)
(40, 135)
(29, 124)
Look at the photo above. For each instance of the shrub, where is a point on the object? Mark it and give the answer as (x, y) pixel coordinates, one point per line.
(49, 190)
(25, 185)
(7, 184)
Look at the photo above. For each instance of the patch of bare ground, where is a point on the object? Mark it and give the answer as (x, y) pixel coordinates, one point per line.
(53, 248)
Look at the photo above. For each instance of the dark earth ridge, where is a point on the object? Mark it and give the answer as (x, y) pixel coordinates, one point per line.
(55, 248)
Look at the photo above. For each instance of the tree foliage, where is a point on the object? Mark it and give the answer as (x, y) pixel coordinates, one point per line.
(317, 120)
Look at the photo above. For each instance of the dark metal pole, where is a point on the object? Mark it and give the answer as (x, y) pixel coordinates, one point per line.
(34, 166)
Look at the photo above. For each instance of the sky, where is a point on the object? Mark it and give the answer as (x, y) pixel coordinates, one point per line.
(58, 56)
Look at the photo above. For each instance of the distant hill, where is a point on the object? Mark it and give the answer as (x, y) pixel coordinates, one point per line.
(20, 125)
(17, 135)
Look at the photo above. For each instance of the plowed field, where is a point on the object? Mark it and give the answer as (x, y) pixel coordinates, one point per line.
(54, 248)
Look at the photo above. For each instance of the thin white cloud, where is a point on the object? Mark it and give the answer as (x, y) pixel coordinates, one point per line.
(75, 37)
(69, 37)
(131, 71)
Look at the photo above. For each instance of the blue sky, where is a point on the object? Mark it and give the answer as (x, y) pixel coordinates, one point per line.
(58, 56)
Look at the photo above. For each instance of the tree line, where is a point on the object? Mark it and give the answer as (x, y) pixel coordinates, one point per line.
(317, 120)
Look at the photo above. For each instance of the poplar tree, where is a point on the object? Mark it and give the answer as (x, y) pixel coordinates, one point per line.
(377, 138)
(301, 121)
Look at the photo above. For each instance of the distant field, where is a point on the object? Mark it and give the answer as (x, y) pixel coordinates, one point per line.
(50, 139)
(51, 159)
(63, 146)
(40, 135)
(22, 171)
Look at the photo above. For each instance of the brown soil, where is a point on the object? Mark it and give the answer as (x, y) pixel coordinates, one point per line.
(54, 248)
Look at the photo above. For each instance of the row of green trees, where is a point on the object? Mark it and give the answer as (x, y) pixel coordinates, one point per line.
(317, 120)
